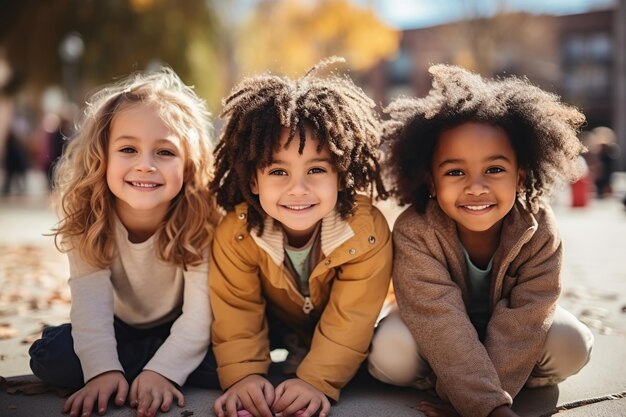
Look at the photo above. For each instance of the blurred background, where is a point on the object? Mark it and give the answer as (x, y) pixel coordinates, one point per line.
(53, 54)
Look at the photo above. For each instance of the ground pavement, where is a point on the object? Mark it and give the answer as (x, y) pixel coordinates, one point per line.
(33, 293)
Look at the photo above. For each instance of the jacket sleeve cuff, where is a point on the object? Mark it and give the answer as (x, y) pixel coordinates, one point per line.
(231, 374)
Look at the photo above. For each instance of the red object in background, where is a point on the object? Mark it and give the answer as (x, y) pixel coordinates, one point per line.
(580, 192)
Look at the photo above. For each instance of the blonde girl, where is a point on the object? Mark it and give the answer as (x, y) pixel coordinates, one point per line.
(136, 220)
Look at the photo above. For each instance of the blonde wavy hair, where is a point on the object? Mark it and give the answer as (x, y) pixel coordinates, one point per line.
(86, 205)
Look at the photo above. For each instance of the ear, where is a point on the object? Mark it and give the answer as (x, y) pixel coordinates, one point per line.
(254, 186)
(521, 177)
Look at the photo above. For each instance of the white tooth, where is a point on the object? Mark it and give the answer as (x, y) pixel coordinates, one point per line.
(139, 184)
(476, 208)
(297, 207)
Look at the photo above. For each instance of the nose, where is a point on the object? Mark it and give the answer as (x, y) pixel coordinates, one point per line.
(298, 185)
(145, 163)
(477, 186)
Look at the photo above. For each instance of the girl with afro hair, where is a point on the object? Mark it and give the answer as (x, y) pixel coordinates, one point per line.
(302, 259)
(477, 263)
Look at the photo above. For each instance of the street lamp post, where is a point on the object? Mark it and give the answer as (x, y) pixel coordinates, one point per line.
(70, 51)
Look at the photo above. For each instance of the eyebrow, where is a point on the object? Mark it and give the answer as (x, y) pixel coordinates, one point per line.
(308, 161)
(492, 158)
(134, 138)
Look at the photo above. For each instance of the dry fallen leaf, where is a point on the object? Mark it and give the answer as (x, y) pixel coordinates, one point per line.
(31, 386)
(7, 331)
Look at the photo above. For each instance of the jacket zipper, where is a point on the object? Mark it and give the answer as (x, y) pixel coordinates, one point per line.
(307, 305)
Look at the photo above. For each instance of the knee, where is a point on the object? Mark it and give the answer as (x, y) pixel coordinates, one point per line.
(569, 348)
(52, 358)
(577, 353)
(393, 357)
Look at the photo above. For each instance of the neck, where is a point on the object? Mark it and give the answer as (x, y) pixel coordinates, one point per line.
(481, 246)
(140, 225)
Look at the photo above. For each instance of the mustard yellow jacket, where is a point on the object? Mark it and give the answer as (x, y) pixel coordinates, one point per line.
(347, 290)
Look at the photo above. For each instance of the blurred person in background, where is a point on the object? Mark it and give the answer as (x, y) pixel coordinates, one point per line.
(606, 153)
(15, 161)
(56, 129)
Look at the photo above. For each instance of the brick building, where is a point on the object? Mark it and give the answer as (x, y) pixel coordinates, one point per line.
(580, 57)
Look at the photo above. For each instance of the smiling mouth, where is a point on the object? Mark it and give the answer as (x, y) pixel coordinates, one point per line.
(478, 207)
(299, 207)
(143, 184)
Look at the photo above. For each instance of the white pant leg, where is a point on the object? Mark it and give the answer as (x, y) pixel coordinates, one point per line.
(394, 357)
(566, 350)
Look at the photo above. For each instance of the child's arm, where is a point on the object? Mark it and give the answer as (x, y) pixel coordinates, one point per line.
(188, 341)
(343, 334)
(182, 351)
(91, 315)
(518, 325)
(239, 333)
(432, 307)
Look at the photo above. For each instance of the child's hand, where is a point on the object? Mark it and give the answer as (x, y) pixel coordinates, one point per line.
(503, 411)
(100, 389)
(151, 390)
(254, 394)
(297, 397)
(437, 409)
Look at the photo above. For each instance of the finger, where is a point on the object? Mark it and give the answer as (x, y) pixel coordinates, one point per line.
(103, 400)
(268, 393)
(310, 410)
(278, 393)
(230, 405)
(88, 402)
(157, 400)
(134, 394)
(143, 403)
(258, 398)
(77, 404)
(67, 406)
(218, 406)
(122, 392)
(247, 403)
(325, 407)
(300, 404)
(285, 400)
(168, 397)
(180, 398)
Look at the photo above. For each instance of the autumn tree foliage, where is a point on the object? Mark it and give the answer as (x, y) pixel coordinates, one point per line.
(289, 36)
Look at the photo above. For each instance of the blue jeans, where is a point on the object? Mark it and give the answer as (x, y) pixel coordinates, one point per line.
(53, 360)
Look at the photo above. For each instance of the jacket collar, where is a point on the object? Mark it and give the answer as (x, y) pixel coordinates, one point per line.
(335, 231)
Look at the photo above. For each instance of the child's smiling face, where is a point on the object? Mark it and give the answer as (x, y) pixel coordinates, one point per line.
(298, 190)
(475, 176)
(146, 161)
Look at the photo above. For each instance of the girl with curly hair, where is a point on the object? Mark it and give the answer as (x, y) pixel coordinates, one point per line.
(477, 264)
(136, 222)
(302, 259)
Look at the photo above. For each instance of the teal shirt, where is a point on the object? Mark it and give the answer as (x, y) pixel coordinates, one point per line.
(480, 284)
(300, 261)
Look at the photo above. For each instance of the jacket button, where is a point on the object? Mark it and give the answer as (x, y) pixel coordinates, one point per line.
(327, 262)
(371, 239)
(352, 251)
(242, 216)
(239, 237)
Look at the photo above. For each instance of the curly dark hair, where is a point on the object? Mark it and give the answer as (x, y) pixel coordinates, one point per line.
(542, 130)
(337, 112)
